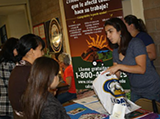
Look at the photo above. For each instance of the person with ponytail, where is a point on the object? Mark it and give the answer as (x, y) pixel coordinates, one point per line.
(137, 29)
(29, 48)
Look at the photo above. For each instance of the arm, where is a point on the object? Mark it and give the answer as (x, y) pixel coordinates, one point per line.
(151, 50)
(61, 72)
(118, 72)
(139, 68)
(68, 80)
(111, 69)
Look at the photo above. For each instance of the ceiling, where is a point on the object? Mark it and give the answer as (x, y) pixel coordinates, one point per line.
(11, 6)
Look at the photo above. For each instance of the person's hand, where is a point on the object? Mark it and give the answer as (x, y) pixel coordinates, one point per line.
(113, 69)
(53, 91)
(61, 70)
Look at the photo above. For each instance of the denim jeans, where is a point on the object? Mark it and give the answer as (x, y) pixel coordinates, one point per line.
(64, 97)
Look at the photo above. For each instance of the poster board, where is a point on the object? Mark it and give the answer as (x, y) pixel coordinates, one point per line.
(89, 48)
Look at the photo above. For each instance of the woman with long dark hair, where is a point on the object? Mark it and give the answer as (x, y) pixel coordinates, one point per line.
(137, 29)
(38, 102)
(29, 48)
(130, 56)
(7, 63)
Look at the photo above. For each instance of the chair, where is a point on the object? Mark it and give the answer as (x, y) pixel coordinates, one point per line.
(150, 105)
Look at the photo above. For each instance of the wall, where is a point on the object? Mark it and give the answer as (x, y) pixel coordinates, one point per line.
(152, 18)
(16, 16)
(137, 8)
(17, 24)
(126, 10)
(44, 10)
(11, 2)
(134, 7)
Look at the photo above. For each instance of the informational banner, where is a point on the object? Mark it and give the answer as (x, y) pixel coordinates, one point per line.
(89, 48)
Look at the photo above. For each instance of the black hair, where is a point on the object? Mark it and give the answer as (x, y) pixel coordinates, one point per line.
(119, 25)
(138, 23)
(6, 54)
(27, 42)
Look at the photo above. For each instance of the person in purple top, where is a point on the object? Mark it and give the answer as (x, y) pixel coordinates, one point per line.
(137, 29)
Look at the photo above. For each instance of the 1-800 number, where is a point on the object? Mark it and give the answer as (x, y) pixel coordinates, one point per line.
(86, 75)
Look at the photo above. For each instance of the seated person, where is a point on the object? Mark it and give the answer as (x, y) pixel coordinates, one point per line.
(68, 77)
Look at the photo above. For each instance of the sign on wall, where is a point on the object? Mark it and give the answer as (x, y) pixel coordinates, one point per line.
(89, 48)
(39, 30)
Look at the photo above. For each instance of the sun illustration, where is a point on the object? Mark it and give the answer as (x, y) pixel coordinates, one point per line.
(99, 42)
(98, 50)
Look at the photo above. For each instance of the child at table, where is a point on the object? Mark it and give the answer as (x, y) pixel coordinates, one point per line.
(38, 102)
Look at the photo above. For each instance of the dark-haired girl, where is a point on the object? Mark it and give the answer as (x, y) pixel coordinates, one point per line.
(130, 56)
(30, 47)
(38, 102)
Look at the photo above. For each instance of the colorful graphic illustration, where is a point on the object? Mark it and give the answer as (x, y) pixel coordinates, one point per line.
(113, 87)
(98, 51)
(93, 116)
(76, 111)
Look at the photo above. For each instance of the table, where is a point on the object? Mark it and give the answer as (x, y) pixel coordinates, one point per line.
(81, 107)
(75, 111)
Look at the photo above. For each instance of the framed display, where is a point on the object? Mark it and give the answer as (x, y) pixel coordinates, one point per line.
(55, 35)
